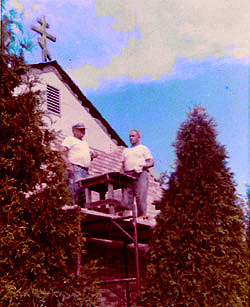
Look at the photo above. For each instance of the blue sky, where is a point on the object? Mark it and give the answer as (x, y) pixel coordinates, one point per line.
(145, 64)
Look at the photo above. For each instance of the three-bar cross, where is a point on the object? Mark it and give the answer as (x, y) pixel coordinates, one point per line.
(44, 36)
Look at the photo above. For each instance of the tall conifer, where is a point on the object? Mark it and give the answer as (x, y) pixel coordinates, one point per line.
(39, 242)
(198, 256)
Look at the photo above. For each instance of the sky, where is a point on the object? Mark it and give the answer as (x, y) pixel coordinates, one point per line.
(145, 64)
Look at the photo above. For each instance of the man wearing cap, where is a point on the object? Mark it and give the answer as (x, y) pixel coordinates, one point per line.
(77, 156)
(136, 162)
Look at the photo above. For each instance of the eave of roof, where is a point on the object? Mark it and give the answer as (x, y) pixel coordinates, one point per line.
(85, 102)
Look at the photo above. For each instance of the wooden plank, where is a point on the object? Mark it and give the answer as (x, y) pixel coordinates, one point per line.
(106, 204)
(88, 195)
(108, 201)
(99, 183)
(110, 191)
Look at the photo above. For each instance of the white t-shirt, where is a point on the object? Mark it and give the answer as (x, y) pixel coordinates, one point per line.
(134, 158)
(78, 151)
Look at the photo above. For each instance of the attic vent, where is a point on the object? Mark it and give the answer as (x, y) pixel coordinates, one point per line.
(53, 99)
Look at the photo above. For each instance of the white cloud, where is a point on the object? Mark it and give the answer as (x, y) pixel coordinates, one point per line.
(170, 29)
(79, 3)
(17, 5)
(36, 6)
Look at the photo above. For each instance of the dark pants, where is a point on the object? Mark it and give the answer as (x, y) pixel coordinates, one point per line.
(139, 191)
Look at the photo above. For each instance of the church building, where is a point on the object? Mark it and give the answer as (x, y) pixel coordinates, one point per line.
(120, 245)
(66, 105)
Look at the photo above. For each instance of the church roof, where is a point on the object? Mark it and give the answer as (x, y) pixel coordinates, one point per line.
(84, 101)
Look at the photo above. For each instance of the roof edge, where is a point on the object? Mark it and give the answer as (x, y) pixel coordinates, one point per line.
(84, 101)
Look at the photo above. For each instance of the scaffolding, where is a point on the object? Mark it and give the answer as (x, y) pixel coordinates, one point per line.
(103, 220)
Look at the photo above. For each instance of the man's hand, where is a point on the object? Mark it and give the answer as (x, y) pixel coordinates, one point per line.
(93, 155)
(69, 168)
(65, 153)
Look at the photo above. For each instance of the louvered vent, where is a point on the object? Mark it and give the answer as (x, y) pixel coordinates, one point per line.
(53, 99)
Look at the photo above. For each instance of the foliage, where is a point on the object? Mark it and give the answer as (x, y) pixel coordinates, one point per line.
(163, 180)
(248, 191)
(14, 38)
(198, 254)
(248, 226)
(39, 242)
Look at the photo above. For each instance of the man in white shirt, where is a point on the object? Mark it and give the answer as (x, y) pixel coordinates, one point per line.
(77, 156)
(135, 162)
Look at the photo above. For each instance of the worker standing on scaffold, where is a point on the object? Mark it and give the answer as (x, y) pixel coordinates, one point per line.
(78, 156)
(136, 162)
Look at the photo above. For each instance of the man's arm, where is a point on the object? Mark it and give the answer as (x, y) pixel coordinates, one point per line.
(123, 163)
(122, 168)
(93, 155)
(148, 163)
(65, 153)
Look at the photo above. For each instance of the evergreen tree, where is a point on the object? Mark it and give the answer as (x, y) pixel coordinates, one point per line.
(248, 229)
(198, 256)
(39, 242)
(13, 39)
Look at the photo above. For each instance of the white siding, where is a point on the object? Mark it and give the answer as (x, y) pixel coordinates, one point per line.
(73, 112)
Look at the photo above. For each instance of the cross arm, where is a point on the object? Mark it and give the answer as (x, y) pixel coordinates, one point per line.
(42, 32)
(36, 29)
